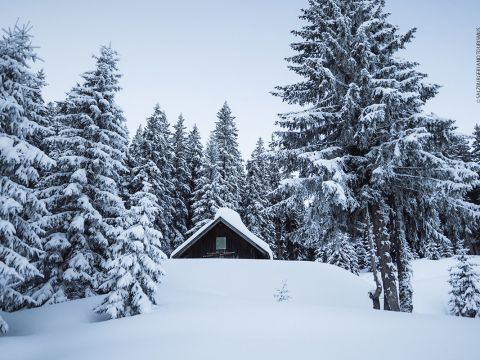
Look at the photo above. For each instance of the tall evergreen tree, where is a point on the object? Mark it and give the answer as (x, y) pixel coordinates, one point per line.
(284, 211)
(43, 115)
(361, 138)
(135, 150)
(230, 164)
(256, 194)
(475, 153)
(157, 147)
(134, 271)
(181, 183)
(194, 151)
(221, 179)
(21, 119)
(473, 239)
(84, 191)
(210, 186)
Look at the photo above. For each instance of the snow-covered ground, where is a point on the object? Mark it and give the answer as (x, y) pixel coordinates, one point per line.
(224, 309)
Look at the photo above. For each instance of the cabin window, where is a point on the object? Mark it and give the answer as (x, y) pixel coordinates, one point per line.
(221, 243)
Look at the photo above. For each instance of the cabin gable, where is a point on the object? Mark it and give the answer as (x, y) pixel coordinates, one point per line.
(221, 240)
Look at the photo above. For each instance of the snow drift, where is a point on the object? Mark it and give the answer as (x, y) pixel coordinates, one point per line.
(222, 308)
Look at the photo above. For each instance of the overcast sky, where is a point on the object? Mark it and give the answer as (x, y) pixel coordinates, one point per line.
(190, 56)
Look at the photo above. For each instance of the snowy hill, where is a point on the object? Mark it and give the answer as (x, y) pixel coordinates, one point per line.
(224, 309)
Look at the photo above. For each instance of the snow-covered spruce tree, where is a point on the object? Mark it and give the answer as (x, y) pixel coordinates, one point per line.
(83, 192)
(464, 295)
(20, 163)
(473, 239)
(181, 185)
(362, 251)
(274, 239)
(459, 147)
(437, 224)
(475, 152)
(210, 186)
(194, 151)
(230, 164)
(368, 250)
(142, 169)
(135, 150)
(42, 113)
(256, 193)
(135, 158)
(286, 211)
(134, 271)
(341, 252)
(282, 294)
(361, 138)
(157, 147)
(221, 178)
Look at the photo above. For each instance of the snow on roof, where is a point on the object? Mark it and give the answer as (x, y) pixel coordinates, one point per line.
(233, 219)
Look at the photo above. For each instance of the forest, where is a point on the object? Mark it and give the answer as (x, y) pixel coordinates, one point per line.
(356, 175)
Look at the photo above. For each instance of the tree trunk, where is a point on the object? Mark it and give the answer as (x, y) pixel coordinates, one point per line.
(402, 258)
(387, 268)
(375, 294)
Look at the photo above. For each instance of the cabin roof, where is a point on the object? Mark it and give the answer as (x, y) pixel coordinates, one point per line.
(232, 219)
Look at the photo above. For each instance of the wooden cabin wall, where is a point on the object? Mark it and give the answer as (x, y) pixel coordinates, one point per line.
(205, 246)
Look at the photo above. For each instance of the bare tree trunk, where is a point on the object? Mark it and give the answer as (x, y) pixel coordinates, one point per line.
(374, 294)
(402, 258)
(387, 267)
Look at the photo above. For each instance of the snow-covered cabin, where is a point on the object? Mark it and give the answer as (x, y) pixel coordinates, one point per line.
(226, 236)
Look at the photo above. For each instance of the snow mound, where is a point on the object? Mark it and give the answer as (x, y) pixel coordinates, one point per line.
(227, 280)
(223, 308)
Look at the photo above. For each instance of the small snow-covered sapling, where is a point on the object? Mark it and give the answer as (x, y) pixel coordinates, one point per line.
(282, 294)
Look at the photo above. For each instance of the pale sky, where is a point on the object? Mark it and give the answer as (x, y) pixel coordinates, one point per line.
(190, 56)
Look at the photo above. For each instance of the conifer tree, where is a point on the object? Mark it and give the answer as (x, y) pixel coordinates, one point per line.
(194, 151)
(341, 252)
(474, 195)
(21, 119)
(134, 271)
(135, 149)
(361, 138)
(181, 184)
(84, 191)
(464, 295)
(207, 199)
(135, 159)
(157, 147)
(475, 153)
(362, 252)
(368, 251)
(256, 193)
(282, 294)
(284, 211)
(43, 114)
(230, 164)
